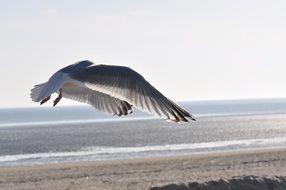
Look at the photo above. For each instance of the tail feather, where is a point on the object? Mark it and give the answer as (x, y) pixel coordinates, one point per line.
(37, 91)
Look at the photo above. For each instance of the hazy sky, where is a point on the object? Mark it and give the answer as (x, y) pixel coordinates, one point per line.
(189, 50)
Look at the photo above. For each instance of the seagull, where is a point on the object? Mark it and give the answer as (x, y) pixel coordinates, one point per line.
(110, 89)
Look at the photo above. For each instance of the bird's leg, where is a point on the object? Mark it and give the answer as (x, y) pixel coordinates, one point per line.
(45, 100)
(58, 98)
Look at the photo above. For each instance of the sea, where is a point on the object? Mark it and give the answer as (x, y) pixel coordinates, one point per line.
(44, 135)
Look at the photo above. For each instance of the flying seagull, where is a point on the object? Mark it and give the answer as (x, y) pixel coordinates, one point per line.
(111, 89)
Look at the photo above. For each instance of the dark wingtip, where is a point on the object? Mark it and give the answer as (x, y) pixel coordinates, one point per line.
(192, 118)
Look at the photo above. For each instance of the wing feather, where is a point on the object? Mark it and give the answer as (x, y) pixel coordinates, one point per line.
(125, 84)
(100, 101)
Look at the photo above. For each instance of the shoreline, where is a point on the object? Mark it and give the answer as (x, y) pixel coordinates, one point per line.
(145, 173)
(190, 154)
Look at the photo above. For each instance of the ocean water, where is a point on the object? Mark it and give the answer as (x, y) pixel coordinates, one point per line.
(43, 135)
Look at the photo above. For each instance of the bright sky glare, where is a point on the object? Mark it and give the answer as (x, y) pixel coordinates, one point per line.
(188, 49)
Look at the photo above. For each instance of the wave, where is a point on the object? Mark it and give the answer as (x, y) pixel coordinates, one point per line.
(125, 119)
(64, 122)
(108, 153)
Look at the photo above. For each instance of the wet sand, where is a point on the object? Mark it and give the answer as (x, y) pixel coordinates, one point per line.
(173, 172)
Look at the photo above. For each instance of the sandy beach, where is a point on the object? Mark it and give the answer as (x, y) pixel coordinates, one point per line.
(174, 172)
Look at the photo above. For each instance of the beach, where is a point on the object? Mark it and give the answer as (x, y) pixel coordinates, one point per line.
(232, 145)
(150, 173)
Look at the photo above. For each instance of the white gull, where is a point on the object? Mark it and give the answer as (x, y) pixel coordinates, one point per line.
(110, 89)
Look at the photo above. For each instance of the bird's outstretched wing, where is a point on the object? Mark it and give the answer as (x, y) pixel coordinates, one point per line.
(125, 84)
(102, 102)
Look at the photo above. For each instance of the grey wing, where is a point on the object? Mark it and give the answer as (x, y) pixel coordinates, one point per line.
(126, 84)
(100, 101)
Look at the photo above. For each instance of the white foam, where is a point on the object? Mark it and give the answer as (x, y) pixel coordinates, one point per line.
(63, 122)
(97, 153)
(125, 119)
